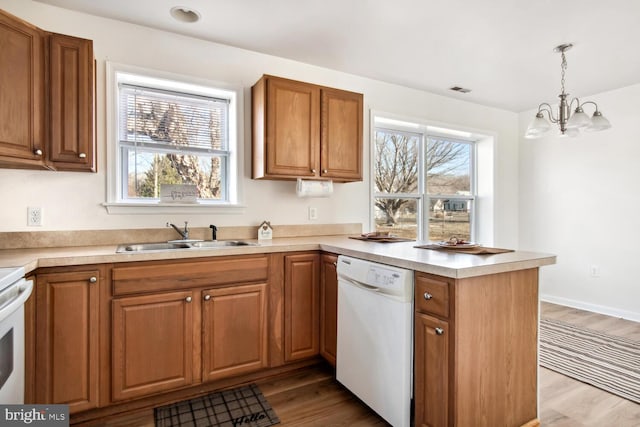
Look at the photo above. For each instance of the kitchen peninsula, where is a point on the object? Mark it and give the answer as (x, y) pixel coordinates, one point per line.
(475, 331)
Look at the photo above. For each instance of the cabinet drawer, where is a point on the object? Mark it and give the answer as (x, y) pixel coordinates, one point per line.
(432, 296)
(154, 277)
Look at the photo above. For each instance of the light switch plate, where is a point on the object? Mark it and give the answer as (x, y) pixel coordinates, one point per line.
(313, 213)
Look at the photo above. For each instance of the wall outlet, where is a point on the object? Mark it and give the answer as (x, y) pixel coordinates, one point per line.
(594, 271)
(313, 213)
(34, 216)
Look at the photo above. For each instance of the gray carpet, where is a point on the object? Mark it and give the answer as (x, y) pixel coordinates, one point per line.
(604, 361)
(239, 407)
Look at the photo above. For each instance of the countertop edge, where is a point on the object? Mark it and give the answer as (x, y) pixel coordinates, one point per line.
(402, 255)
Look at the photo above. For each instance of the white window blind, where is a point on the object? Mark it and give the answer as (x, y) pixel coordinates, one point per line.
(166, 120)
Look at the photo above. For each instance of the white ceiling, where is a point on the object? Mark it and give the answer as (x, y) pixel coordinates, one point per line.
(501, 49)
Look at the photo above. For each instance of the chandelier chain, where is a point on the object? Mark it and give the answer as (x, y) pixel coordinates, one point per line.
(564, 69)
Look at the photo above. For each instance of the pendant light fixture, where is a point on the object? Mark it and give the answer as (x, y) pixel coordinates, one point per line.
(570, 124)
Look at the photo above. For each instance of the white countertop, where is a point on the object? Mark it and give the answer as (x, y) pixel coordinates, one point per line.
(399, 254)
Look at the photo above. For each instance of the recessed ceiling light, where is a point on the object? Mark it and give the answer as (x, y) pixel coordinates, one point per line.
(460, 89)
(185, 14)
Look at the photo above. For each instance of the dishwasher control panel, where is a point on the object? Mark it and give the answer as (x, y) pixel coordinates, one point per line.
(378, 276)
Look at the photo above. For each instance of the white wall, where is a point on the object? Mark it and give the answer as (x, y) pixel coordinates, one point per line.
(73, 200)
(579, 199)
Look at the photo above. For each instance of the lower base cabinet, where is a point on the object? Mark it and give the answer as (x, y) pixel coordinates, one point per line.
(234, 331)
(67, 346)
(152, 344)
(328, 307)
(431, 376)
(301, 306)
(476, 350)
(156, 338)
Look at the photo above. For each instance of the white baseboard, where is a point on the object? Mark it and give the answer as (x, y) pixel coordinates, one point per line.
(601, 309)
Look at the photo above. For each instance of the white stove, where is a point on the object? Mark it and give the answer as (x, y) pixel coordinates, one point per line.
(14, 291)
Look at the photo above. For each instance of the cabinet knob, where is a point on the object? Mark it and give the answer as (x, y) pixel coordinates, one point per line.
(82, 155)
(37, 152)
(207, 297)
(313, 171)
(439, 331)
(188, 299)
(324, 171)
(93, 279)
(427, 296)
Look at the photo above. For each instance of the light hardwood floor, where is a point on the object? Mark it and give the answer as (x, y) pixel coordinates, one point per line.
(312, 397)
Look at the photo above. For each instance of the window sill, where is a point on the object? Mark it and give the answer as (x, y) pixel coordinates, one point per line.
(171, 208)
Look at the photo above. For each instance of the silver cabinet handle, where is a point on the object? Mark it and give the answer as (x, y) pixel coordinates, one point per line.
(37, 152)
(82, 155)
(313, 171)
(93, 279)
(439, 331)
(188, 299)
(207, 297)
(427, 296)
(324, 171)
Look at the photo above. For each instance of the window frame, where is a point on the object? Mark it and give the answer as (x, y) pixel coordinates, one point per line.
(116, 202)
(423, 199)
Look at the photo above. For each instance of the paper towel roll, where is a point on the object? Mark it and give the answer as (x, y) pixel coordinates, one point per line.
(309, 188)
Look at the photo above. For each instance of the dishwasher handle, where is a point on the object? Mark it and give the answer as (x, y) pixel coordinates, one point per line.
(359, 284)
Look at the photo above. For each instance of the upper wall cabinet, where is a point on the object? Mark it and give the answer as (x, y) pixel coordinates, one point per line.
(47, 108)
(22, 85)
(301, 130)
(71, 102)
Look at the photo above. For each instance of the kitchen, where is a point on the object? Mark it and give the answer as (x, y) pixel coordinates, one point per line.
(527, 214)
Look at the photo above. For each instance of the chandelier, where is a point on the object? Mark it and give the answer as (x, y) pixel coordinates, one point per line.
(570, 124)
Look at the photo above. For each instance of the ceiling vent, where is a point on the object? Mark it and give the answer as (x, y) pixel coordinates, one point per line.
(460, 89)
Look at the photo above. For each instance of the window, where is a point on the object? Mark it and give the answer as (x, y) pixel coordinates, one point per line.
(424, 184)
(173, 132)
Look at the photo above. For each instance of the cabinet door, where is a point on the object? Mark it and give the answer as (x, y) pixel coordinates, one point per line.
(71, 80)
(234, 330)
(328, 308)
(292, 129)
(301, 305)
(22, 110)
(341, 135)
(67, 369)
(431, 371)
(152, 344)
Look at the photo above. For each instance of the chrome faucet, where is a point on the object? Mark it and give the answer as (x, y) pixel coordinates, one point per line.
(183, 233)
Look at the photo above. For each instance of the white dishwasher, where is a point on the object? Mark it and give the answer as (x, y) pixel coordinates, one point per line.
(375, 336)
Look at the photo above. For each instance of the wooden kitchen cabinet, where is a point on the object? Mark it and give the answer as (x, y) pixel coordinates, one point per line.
(475, 349)
(302, 130)
(234, 330)
(301, 306)
(152, 344)
(328, 307)
(341, 135)
(182, 323)
(71, 99)
(47, 108)
(67, 339)
(431, 352)
(22, 85)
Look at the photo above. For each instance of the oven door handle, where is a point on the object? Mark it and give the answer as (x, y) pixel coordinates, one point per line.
(25, 287)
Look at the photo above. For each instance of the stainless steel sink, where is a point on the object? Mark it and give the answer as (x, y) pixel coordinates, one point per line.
(173, 245)
(222, 243)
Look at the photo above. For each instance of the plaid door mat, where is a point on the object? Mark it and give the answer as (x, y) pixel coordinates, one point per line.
(240, 407)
